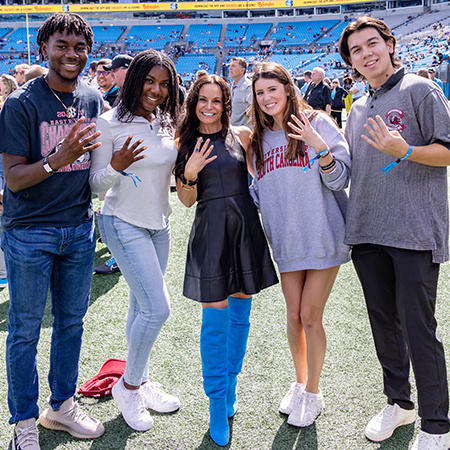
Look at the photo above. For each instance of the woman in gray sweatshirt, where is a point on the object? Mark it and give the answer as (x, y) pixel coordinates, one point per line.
(302, 165)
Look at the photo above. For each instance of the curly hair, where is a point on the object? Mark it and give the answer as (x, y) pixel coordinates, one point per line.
(262, 120)
(130, 96)
(361, 23)
(71, 23)
(188, 128)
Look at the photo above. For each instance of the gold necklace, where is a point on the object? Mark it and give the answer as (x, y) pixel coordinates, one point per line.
(69, 115)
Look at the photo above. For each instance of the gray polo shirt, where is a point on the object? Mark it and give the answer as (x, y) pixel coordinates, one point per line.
(408, 208)
(241, 96)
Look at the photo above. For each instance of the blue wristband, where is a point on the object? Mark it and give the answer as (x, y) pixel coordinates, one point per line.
(394, 163)
(319, 155)
(132, 176)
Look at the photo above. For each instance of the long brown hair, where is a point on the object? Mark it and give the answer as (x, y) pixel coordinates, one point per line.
(188, 128)
(261, 120)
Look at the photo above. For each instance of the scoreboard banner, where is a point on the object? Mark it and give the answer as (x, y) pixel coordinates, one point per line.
(182, 6)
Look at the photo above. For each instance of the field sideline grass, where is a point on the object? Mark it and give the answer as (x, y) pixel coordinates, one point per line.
(351, 379)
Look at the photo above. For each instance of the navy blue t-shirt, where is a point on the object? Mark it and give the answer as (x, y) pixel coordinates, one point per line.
(32, 122)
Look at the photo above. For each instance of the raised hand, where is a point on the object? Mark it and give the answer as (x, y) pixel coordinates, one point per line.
(198, 159)
(74, 145)
(127, 155)
(305, 132)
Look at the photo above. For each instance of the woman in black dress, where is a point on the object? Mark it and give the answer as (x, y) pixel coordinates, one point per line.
(228, 258)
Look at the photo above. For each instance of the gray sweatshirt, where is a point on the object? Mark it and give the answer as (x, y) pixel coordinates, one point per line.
(303, 213)
(408, 208)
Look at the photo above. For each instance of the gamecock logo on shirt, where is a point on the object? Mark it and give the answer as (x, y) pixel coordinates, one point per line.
(394, 119)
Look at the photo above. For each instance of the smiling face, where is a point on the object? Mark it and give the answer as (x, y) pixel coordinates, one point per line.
(67, 55)
(156, 90)
(370, 55)
(104, 78)
(272, 98)
(209, 107)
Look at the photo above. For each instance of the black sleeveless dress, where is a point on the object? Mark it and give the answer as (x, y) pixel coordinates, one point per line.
(227, 250)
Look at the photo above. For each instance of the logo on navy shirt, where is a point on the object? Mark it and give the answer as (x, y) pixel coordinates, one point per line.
(394, 119)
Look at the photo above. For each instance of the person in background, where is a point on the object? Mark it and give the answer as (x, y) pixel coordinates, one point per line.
(423, 73)
(228, 258)
(48, 232)
(347, 84)
(8, 85)
(301, 157)
(241, 92)
(34, 72)
(134, 222)
(358, 89)
(337, 101)
(397, 223)
(432, 73)
(307, 75)
(106, 83)
(19, 73)
(118, 68)
(318, 95)
(92, 77)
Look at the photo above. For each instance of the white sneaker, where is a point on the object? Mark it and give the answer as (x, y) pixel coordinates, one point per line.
(25, 436)
(306, 410)
(382, 426)
(72, 419)
(427, 441)
(288, 402)
(131, 405)
(156, 399)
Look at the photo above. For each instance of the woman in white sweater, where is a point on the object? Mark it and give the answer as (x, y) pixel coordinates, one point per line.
(135, 218)
(302, 165)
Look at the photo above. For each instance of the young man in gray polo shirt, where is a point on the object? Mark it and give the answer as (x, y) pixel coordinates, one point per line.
(397, 222)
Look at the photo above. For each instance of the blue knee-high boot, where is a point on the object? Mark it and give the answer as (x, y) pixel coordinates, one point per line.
(237, 345)
(213, 350)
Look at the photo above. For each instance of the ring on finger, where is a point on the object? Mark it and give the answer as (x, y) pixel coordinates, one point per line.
(197, 149)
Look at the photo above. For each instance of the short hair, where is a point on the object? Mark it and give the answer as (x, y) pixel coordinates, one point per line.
(34, 72)
(103, 62)
(361, 23)
(307, 73)
(320, 70)
(71, 23)
(129, 99)
(241, 61)
(22, 67)
(201, 73)
(423, 73)
(11, 84)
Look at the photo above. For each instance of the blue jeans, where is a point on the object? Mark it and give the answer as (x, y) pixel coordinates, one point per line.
(37, 259)
(142, 256)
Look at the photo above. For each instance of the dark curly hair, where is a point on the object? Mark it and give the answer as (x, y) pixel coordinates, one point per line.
(130, 96)
(188, 128)
(60, 22)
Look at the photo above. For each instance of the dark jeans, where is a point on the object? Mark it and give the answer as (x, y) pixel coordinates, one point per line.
(400, 290)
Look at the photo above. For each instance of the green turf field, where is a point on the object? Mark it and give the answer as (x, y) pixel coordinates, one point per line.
(351, 378)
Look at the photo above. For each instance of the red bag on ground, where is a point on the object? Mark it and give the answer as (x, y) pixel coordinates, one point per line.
(103, 382)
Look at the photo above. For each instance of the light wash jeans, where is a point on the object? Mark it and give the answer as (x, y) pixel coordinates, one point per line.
(37, 259)
(142, 256)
